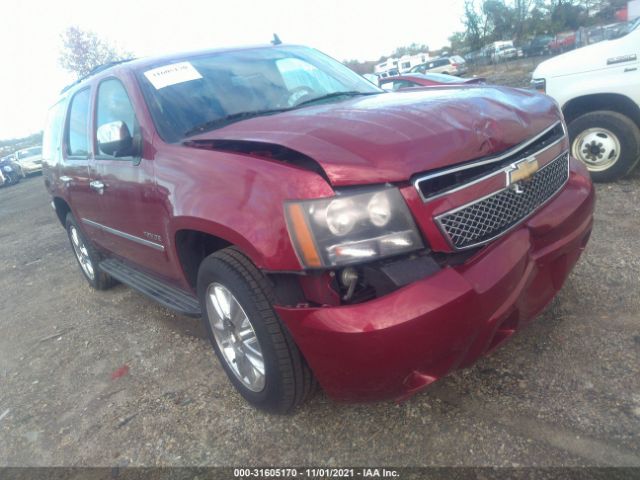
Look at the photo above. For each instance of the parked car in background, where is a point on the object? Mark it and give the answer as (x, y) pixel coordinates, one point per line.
(598, 33)
(501, 51)
(598, 88)
(426, 80)
(455, 65)
(30, 159)
(11, 170)
(562, 42)
(537, 46)
(323, 228)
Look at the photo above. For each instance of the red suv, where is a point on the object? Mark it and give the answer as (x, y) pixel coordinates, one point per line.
(325, 230)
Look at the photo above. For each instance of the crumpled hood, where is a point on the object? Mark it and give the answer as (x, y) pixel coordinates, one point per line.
(392, 136)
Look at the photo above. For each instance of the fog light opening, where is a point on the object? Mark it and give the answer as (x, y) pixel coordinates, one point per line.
(349, 280)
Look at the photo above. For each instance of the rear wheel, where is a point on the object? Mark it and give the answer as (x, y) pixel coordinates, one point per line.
(608, 143)
(87, 257)
(253, 346)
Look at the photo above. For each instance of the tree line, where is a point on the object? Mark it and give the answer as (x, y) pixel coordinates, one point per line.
(486, 21)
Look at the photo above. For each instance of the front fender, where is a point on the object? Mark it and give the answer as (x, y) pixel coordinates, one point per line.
(238, 198)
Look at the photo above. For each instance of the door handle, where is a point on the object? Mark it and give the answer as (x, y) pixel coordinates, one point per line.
(98, 186)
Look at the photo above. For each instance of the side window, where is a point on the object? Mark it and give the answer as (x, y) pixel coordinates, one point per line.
(77, 141)
(113, 105)
(53, 132)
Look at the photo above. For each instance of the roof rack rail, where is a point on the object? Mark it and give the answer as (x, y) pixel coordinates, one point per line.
(96, 70)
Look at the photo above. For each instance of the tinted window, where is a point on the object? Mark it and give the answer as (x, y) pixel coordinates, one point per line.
(78, 130)
(114, 105)
(53, 132)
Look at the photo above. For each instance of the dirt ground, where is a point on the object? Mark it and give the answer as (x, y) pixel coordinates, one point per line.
(112, 379)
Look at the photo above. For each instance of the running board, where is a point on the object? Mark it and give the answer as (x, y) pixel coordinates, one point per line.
(170, 297)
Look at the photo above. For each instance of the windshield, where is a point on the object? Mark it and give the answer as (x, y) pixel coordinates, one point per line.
(30, 152)
(198, 93)
(633, 26)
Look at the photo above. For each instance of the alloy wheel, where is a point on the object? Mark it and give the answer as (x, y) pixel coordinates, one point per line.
(82, 253)
(235, 337)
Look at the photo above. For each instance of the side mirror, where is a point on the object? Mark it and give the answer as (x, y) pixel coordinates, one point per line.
(114, 139)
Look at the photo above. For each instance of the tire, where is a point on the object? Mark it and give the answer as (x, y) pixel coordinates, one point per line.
(608, 131)
(287, 380)
(12, 178)
(87, 257)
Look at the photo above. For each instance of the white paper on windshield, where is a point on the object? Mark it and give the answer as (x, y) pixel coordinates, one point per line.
(172, 75)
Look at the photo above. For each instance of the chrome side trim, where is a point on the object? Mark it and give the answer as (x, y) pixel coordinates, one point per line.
(133, 238)
(515, 225)
(508, 153)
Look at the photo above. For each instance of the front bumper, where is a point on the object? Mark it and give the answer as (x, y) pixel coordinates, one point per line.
(393, 346)
(30, 168)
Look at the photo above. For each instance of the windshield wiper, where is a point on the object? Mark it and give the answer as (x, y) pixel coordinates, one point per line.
(352, 93)
(234, 117)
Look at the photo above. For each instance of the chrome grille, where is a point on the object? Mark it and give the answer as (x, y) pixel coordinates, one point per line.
(490, 217)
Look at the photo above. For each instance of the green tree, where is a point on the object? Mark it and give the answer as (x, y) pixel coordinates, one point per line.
(83, 50)
(412, 49)
(499, 20)
(474, 22)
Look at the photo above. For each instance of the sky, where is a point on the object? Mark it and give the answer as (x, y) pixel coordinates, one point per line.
(349, 29)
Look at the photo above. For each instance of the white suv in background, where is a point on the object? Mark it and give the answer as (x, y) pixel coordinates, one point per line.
(598, 89)
(454, 65)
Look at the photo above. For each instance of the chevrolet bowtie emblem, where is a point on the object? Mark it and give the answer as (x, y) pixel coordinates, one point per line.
(521, 171)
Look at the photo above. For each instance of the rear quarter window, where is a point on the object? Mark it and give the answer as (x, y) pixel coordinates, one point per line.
(51, 141)
(77, 138)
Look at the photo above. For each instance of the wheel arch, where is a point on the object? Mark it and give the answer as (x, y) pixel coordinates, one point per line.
(601, 101)
(194, 240)
(62, 209)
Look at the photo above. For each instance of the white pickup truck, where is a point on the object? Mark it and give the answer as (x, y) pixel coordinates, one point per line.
(598, 89)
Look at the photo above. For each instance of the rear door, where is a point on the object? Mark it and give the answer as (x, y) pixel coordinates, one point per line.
(77, 167)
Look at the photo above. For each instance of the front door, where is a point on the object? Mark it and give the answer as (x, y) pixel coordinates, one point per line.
(131, 215)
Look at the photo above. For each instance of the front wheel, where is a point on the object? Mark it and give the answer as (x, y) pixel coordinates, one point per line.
(608, 143)
(254, 347)
(11, 178)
